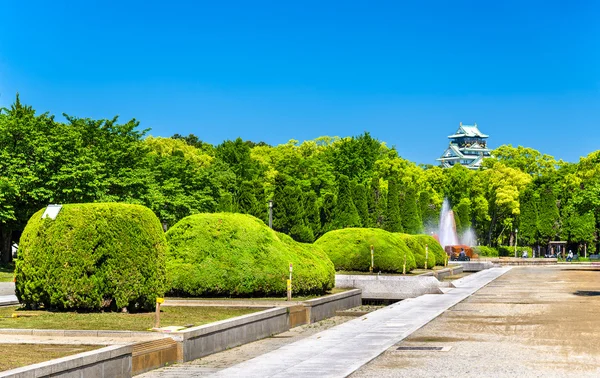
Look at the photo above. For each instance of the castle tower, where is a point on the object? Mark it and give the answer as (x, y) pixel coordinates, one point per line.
(468, 147)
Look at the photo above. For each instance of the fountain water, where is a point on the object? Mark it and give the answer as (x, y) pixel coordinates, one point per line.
(447, 229)
(447, 235)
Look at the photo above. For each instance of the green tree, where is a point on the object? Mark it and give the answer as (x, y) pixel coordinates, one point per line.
(528, 220)
(376, 204)
(345, 214)
(462, 213)
(411, 220)
(393, 220)
(327, 212)
(311, 213)
(360, 201)
(549, 216)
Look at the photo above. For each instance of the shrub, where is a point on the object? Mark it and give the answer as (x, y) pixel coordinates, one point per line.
(349, 249)
(434, 248)
(418, 250)
(91, 257)
(484, 251)
(505, 250)
(227, 254)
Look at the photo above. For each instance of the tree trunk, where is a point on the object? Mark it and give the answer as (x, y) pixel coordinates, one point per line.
(5, 244)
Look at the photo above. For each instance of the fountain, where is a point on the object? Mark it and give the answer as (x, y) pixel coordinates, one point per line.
(447, 229)
(448, 237)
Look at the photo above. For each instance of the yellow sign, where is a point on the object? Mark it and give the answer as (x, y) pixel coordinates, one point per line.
(289, 284)
(160, 300)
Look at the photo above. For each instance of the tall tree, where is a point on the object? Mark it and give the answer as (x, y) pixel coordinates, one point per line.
(462, 213)
(393, 220)
(411, 220)
(548, 214)
(376, 204)
(311, 213)
(360, 201)
(528, 219)
(345, 214)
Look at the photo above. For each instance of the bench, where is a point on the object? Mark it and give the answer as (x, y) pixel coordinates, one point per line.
(594, 257)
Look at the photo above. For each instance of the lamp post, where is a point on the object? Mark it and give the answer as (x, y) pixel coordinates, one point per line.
(271, 214)
(516, 235)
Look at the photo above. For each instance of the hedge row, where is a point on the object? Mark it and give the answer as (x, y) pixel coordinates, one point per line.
(110, 256)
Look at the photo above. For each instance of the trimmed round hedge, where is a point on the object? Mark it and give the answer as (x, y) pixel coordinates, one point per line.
(226, 254)
(418, 250)
(434, 248)
(350, 249)
(92, 256)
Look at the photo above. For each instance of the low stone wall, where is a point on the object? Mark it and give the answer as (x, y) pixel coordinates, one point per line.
(520, 261)
(109, 362)
(326, 307)
(153, 354)
(443, 273)
(473, 265)
(203, 340)
(389, 287)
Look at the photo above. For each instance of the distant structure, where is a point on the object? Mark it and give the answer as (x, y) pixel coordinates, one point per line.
(468, 147)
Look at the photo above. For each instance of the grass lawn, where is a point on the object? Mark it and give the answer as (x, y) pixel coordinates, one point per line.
(18, 355)
(359, 273)
(170, 316)
(7, 272)
(295, 298)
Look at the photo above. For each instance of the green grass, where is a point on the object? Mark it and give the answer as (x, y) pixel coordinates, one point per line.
(19, 355)
(170, 316)
(7, 272)
(295, 298)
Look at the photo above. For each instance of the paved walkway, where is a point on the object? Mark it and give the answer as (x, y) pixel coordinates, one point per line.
(339, 351)
(532, 322)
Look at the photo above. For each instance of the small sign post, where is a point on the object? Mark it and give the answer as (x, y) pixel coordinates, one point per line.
(159, 301)
(426, 254)
(289, 285)
(372, 261)
(404, 266)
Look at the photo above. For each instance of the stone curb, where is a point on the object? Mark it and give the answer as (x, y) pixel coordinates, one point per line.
(79, 361)
(80, 333)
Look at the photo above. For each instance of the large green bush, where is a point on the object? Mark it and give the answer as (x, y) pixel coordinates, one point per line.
(349, 249)
(434, 248)
(226, 254)
(484, 251)
(91, 257)
(418, 250)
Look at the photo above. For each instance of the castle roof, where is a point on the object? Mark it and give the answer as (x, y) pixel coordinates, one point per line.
(468, 131)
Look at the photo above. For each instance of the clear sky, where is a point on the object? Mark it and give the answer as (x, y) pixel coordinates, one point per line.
(528, 72)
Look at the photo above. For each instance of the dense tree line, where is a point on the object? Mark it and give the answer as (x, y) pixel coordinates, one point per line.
(316, 186)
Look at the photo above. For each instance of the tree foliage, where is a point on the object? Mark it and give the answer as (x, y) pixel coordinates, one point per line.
(317, 185)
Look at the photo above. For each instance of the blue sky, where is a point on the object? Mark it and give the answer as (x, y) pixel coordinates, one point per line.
(528, 72)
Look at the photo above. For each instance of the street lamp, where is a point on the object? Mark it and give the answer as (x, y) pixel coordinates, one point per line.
(271, 214)
(516, 235)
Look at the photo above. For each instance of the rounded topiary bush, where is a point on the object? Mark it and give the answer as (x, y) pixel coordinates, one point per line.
(434, 248)
(91, 257)
(227, 254)
(418, 250)
(350, 249)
